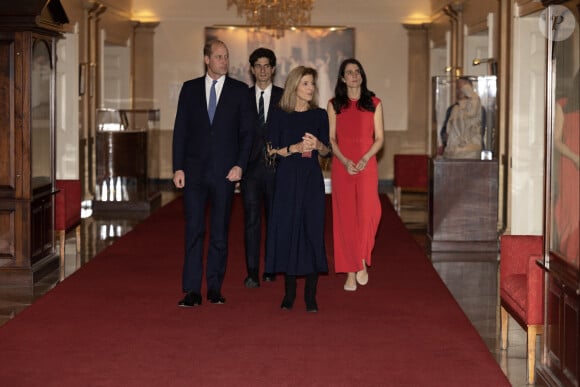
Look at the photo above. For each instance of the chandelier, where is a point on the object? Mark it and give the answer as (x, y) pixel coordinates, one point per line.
(276, 15)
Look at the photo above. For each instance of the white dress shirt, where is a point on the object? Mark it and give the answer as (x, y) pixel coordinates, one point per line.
(218, 87)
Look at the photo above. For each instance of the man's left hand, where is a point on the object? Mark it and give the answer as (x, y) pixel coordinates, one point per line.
(235, 174)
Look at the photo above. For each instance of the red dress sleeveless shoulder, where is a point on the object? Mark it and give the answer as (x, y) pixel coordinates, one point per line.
(356, 206)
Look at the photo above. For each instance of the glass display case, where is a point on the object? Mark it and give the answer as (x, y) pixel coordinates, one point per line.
(121, 160)
(118, 120)
(28, 36)
(446, 94)
(42, 148)
(562, 195)
(41, 116)
(564, 145)
(463, 178)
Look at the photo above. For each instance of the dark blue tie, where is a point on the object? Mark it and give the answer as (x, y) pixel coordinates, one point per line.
(261, 116)
(212, 102)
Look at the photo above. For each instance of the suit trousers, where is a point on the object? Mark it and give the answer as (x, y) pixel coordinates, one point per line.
(215, 195)
(257, 193)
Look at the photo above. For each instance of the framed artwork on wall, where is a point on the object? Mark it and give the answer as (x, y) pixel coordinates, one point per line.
(322, 48)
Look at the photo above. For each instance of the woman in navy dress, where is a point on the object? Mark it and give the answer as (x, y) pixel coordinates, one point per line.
(298, 134)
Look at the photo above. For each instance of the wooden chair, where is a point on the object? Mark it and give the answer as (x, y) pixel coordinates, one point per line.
(522, 290)
(411, 175)
(67, 215)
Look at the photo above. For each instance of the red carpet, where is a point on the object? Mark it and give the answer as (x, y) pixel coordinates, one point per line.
(115, 322)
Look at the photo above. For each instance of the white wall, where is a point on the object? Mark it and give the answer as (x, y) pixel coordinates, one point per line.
(527, 128)
(380, 44)
(116, 77)
(476, 46)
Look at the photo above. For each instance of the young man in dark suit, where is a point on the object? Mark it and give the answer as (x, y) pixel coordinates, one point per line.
(212, 139)
(258, 183)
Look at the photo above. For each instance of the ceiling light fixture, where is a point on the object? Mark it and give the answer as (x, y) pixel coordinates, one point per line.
(275, 15)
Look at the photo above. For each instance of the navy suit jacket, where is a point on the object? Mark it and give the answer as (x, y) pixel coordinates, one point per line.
(208, 151)
(257, 153)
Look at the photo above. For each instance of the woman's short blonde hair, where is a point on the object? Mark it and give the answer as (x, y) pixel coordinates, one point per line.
(288, 100)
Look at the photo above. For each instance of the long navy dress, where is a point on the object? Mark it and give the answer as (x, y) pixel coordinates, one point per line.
(295, 242)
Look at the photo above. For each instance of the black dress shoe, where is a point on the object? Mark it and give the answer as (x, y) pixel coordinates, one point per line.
(268, 277)
(215, 297)
(287, 304)
(190, 299)
(311, 307)
(250, 282)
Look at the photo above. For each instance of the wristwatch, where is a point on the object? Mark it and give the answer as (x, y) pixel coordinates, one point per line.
(288, 149)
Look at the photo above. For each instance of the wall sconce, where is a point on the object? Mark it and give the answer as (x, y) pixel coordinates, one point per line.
(491, 64)
(452, 70)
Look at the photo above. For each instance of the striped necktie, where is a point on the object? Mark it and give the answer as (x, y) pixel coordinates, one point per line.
(261, 116)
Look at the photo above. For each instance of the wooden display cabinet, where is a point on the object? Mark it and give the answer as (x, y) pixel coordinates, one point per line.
(28, 33)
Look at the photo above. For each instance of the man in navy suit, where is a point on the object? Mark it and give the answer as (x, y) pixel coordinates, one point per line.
(258, 183)
(212, 138)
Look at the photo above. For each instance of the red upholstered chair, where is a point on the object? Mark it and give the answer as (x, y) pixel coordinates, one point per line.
(67, 214)
(521, 287)
(411, 175)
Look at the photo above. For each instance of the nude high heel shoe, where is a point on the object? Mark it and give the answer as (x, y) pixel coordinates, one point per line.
(350, 286)
(362, 277)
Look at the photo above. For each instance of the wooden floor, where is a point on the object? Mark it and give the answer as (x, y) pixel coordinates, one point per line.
(471, 278)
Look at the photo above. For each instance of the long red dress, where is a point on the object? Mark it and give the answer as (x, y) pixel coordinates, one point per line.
(567, 211)
(356, 208)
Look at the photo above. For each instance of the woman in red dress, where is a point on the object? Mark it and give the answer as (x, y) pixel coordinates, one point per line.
(356, 135)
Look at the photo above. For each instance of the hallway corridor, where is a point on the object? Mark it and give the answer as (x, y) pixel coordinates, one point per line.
(471, 278)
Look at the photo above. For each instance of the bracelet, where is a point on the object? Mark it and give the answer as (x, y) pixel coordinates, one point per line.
(288, 149)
